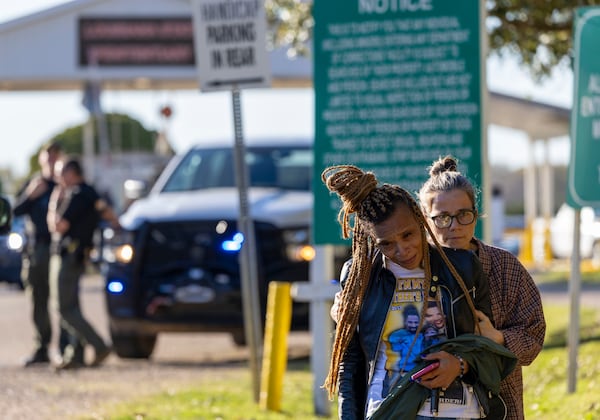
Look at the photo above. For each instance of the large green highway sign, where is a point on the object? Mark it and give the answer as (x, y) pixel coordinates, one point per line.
(584, 168)
(397, 85)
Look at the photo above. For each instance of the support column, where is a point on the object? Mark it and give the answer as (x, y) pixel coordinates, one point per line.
(530, 204)
(320, 293)
(547, 199)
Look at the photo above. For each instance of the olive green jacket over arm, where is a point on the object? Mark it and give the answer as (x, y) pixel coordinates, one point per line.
(488, 362)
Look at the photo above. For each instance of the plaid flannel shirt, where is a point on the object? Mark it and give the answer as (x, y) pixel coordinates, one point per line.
(518, 314)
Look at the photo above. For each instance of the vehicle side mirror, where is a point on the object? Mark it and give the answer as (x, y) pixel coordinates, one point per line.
(5, 215)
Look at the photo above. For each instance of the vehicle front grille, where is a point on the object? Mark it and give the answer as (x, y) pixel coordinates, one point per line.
(172, 255)
(167, 248)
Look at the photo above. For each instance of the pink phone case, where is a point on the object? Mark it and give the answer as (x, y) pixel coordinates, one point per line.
(423, 371)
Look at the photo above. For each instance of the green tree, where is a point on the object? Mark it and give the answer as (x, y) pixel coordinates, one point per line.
(125, 134)
(537, 32)
(290, 25)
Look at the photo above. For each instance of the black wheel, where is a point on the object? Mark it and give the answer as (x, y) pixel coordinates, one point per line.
(239, 338)
(133, 346)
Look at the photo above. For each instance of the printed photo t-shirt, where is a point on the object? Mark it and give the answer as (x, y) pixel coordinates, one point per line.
(401, 346)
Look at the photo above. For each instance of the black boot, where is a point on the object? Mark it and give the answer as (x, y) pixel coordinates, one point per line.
(39, 357)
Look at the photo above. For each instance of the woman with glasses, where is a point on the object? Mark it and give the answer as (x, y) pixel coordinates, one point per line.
(449, 200)
(392, 280)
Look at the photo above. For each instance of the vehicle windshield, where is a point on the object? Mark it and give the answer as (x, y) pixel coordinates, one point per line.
(275, 167)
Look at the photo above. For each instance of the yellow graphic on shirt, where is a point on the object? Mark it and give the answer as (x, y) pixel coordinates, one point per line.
(401, 324)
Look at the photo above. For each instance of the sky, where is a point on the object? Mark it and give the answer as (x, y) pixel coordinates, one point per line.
(29, 119)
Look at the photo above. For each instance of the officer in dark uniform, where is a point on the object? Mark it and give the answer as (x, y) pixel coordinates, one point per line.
(75, 210)
(32, 201)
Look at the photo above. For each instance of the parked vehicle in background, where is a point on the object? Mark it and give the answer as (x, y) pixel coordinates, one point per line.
(175, 266)
(561, 233)
(12, 244)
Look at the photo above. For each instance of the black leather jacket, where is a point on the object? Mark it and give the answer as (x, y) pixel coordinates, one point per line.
(359, 360)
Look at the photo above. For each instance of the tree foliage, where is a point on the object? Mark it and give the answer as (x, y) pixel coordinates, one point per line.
(125, 135)
(537, 32)
(290, 23)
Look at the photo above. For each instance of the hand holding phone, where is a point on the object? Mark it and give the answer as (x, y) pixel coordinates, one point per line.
(415, 376)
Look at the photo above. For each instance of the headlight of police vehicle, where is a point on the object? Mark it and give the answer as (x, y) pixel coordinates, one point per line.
(15, 242)
(297, 247)
(118, 246)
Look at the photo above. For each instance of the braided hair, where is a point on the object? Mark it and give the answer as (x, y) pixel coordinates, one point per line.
(369, 203)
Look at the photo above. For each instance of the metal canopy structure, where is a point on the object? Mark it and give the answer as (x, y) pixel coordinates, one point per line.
(127, 44)
(538, 120)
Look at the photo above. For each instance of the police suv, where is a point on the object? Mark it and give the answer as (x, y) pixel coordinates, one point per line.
(174, 265)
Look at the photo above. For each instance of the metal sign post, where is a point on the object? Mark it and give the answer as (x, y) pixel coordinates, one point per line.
(248, 267)
(574, 298)
(231, 54)
(584, 167)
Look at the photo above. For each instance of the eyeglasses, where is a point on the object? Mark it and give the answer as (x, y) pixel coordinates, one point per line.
(463, 217)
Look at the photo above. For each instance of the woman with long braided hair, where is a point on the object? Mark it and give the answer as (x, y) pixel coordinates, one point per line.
(392, 279)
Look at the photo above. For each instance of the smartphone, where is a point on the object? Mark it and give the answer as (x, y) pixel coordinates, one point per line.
(425, 370)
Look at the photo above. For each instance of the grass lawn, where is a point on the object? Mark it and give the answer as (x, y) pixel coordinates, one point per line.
(545, 382)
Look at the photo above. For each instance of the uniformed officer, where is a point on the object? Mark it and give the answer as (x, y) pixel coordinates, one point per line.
(74, 212)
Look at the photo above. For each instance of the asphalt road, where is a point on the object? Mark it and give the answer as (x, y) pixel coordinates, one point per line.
(17, 330)
(559, 293)
(180, 360)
